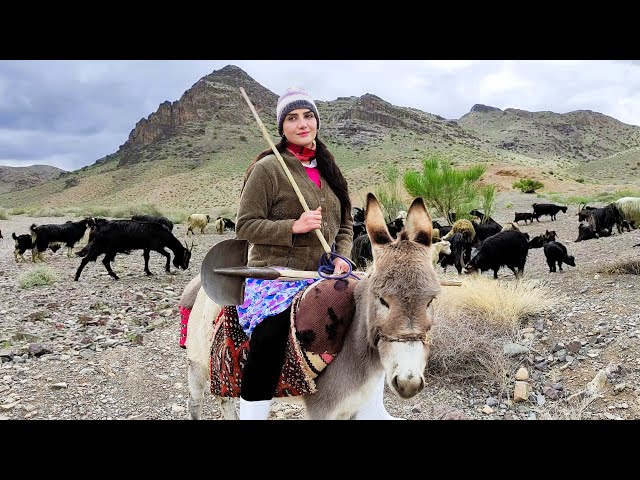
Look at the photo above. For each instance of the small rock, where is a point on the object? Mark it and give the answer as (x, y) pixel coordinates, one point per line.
(522, 374)
(521, 391)
(598, 383)
(574, 346)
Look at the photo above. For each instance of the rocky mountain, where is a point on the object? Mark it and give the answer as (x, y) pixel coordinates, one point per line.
(580, 136)
(191, 153)
(17, 178)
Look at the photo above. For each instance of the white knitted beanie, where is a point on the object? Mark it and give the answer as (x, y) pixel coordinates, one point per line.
(293, 99)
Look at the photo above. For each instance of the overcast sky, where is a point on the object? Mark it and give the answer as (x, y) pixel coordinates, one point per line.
(71, 113)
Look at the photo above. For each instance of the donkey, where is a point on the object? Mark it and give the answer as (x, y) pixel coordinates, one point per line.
(388, 334)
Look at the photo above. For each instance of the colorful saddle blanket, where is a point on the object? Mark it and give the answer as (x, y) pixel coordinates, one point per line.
(321, 315)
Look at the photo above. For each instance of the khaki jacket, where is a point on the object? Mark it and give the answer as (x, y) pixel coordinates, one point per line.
(269, 206)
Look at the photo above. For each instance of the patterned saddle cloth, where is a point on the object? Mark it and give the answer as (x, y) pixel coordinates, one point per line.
(320, 317)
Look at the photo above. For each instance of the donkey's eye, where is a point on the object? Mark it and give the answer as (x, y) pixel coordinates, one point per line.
(383, 302)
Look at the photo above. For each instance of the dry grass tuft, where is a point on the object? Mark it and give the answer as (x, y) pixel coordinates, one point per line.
(621, 267)
(38, 276)
(474, 321)
(502, 303)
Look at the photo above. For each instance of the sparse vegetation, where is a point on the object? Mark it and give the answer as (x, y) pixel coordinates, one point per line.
(389, 193)
(71, 182)
(627, 266)
(474, 322)
(3, 214)
(445, 188)
(487, 197)
(38, 276)
(528, 185)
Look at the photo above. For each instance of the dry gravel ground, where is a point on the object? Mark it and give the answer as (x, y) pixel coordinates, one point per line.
(103, 349)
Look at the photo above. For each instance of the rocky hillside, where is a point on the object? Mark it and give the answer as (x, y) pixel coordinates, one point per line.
(579, 136)
(191, 153)
(17, 178)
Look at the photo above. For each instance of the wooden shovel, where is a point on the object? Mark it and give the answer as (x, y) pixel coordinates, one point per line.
(224, 270)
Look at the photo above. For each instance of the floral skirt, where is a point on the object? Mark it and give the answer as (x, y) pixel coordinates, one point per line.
(265, 298)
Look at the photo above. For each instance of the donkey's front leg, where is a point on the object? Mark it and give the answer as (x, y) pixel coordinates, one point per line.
(197, 377)
(228, 407)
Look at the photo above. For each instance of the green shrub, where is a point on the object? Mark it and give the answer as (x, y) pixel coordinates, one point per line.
(37, 277)
(580, 180)
(527, 185)
(3, 214)
(17, 211)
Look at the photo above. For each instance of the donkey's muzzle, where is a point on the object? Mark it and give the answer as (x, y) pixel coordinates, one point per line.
(408, 385)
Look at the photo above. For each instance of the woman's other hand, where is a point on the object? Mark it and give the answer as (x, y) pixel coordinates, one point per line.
(340, 266)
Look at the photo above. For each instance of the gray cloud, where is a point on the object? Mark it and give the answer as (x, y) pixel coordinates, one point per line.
(71, 113)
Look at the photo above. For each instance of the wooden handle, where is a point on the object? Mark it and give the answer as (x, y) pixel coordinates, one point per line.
(266, 135)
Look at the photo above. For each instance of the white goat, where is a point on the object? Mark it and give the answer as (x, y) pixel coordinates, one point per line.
(443, 246)
(197, 220)
(629, 208)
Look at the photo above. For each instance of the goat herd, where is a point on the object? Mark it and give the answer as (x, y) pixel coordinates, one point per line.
(483, 244)
(110, 237)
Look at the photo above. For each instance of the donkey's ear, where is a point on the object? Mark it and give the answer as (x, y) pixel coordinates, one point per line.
(374, 222)
(418, 223)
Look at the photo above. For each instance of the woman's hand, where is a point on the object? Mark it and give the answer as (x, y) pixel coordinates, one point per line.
(308, 221)
(340, 266)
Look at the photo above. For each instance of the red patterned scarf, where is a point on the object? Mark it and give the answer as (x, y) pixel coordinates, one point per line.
(305, 154)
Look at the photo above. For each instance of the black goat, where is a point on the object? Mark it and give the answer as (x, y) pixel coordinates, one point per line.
(526, 216)
(395, 227)
(120, 236)
(585, 232)
(361, 254)
(584, 212)
(68, 233)
(228, 223)
(557, 252)
(539, 240)
(485, 230)
(359, 229)
(550, 209)
(457, 256)
(23, 243)
(506, 248)
(157, 219)
(484, 220)
(605, 218)
(358, 214)
(444, 230)
(1, 234)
